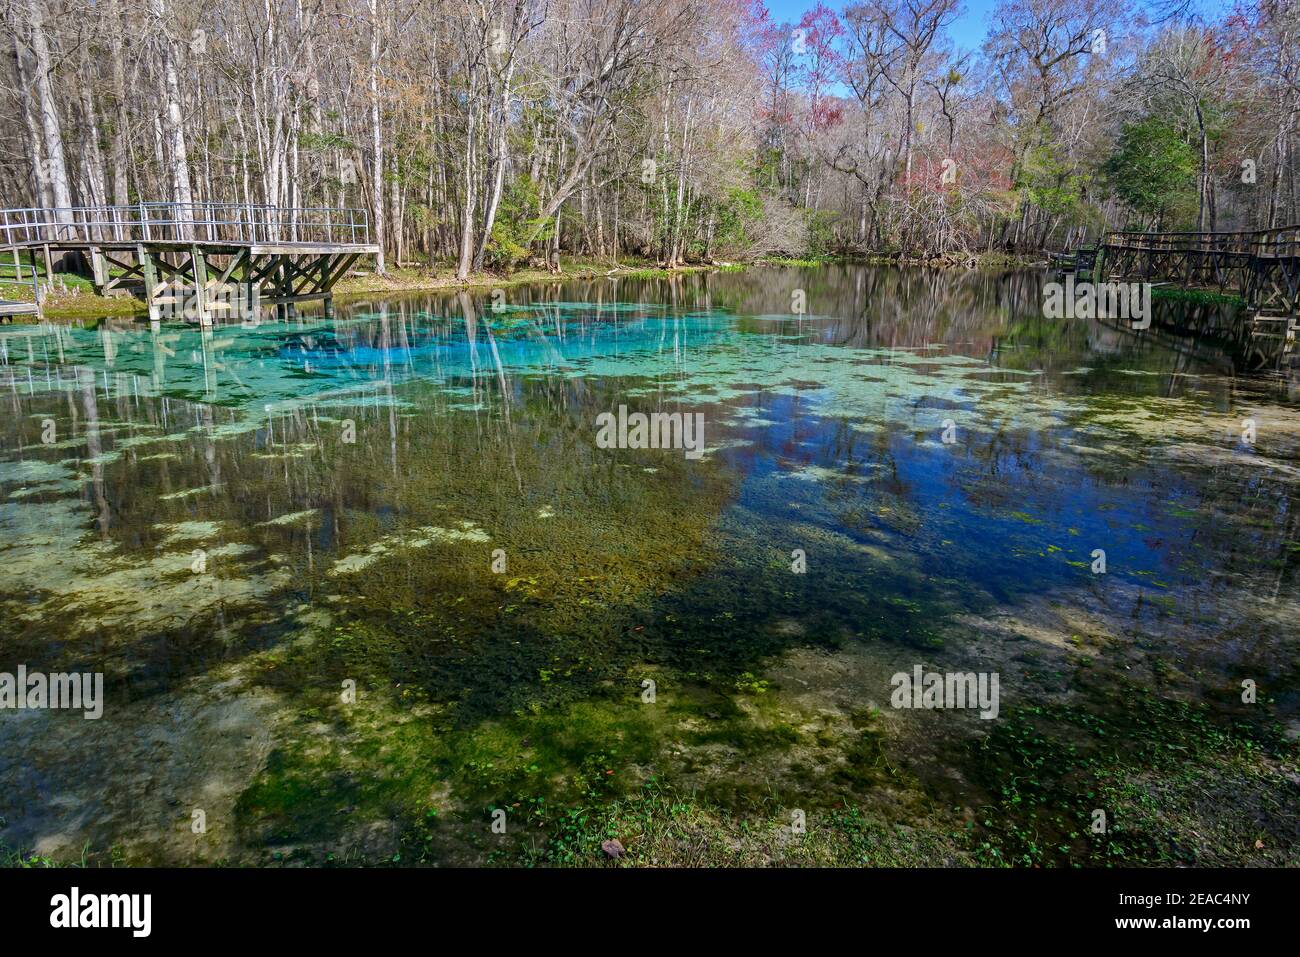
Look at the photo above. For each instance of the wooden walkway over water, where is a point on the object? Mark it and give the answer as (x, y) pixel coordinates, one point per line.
(1261, 266)
(199, 261)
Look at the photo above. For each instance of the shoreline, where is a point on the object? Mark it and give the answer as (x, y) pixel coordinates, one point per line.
(81, 302)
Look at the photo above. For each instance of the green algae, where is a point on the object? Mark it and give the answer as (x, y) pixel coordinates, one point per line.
(188, 492)
(188, 531)
(421, 537)
(546, 770)
(1159, 769)
(521, 689)
(303, 517)
(32, 471)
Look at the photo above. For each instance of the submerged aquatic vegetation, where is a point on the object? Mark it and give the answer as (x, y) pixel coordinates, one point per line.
(392, 543)
(1131, 781)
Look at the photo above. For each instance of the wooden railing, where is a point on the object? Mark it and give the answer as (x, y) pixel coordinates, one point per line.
(184, 222)
(1261, 265)
(1279, 241)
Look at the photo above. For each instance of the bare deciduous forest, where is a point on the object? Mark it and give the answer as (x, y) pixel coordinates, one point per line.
(858, 436)
(491, 133)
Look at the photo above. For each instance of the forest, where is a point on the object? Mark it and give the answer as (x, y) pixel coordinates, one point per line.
(490, 134)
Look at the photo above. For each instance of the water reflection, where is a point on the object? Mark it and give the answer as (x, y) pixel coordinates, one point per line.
(943, 456)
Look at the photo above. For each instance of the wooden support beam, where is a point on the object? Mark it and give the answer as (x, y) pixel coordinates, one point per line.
(98, 271)
(238, 259)
(150, 282)
(345, 263)
(200, 270)
(130, 271)
(263, 272)
(282, 289)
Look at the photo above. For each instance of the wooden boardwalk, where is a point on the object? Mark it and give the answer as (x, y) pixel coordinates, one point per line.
(10, 308)
(1260, 266)
(200, 261)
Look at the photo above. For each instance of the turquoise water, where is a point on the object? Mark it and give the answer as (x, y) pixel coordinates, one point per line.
(232, 522)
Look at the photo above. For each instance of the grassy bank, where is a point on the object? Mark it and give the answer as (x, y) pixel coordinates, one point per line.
(74, 297)
(1196, 296)
(443, 276)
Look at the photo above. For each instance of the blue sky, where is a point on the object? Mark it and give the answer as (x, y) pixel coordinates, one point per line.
(969, 30)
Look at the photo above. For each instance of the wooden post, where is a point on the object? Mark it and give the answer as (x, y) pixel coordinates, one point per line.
(282, 268)
(98, 270)
(254, 300)
(36, 282)
(240, 274)
(200, 270)
(150, 282)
